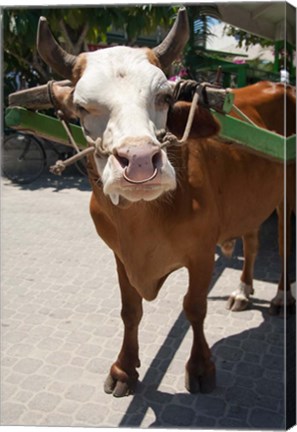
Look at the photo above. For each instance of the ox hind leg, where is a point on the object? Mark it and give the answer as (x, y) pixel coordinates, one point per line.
(123, 376)
(239, 299)
(284, 297)
(200, 370)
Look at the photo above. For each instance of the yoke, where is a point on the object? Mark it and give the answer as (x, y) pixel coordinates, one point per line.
(260, 141)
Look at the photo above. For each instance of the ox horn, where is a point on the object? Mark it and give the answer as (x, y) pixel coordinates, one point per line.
(173, 44)
(51, 52)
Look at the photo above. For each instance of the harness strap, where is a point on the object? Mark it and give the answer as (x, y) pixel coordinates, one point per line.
(165, 138)
(244, 116)
(51, 94)
(96, 146)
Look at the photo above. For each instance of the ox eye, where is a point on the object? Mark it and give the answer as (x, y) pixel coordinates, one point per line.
(164, 99)
(81, 110)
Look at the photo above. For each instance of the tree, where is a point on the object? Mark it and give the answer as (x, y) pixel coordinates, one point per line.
(245, 38)
(73, 27)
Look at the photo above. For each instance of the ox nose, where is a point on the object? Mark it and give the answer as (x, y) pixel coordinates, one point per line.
(140, 162)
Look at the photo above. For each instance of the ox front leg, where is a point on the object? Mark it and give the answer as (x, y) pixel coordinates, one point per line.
(200, 369)
(123, 376)
(239, 299)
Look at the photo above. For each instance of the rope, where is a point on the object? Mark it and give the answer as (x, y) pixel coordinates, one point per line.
(65, 124)
(60, 165)
(170, 139)
(244, 116)
(165, 139)
(190, 118)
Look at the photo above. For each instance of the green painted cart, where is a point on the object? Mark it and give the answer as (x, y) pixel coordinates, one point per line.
(266, 143)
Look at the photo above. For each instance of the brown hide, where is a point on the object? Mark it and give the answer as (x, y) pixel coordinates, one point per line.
(265, 103)
(223, 192)
(238, 189)
(275, 110)
(204, 124)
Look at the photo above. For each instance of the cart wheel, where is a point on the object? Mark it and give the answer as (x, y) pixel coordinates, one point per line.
(23, 158)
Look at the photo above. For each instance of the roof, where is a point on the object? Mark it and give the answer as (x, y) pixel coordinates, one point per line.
(222, 43)
(271, 20)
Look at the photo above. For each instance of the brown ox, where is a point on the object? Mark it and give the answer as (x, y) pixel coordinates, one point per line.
(271, 106)
(157, 209)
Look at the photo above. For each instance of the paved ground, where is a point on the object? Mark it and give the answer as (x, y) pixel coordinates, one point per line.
(61, 328)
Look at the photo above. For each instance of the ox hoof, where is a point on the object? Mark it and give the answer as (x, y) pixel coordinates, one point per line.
(239, 299)
(275, 310)
(205, 383)
(281, 302)
(278, 310)
(118, 388)
(237, 304)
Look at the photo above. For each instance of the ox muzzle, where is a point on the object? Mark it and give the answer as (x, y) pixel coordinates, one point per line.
(141, 160)
(138, 169)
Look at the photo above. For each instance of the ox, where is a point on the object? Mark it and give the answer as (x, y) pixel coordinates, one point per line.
(157, 208)
(263, 103)
(266, 104)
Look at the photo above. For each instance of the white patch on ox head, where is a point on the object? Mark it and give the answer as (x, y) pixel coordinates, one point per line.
(123, 98)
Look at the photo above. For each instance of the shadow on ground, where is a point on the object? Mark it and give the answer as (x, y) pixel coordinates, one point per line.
(240, 399)
(57, 183)
(250, 365)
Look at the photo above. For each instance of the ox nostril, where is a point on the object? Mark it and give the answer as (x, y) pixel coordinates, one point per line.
(156, 159)
(124, 162)
(139, 163)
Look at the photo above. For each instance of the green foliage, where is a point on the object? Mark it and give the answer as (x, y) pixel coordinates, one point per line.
(246, 39)
(72, 27)
(258, 64)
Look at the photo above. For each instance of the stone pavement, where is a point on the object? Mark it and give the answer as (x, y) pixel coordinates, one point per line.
(61, 328)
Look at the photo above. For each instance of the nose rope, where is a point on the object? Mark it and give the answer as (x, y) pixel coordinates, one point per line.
(171, 140)
(96, 147)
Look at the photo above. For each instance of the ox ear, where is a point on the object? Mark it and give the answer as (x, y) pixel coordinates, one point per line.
(204, 124)
(173, 44)
(63, 99)
(51, 52)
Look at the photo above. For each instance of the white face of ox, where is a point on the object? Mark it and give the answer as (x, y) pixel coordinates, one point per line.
(123, 98)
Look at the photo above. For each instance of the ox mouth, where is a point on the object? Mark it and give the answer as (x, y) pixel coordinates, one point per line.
(141, 187)
(118, 184)
(141, 192)
(137, 193)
